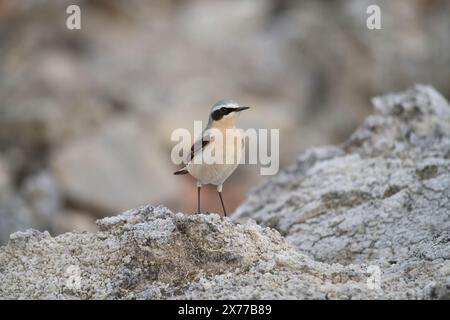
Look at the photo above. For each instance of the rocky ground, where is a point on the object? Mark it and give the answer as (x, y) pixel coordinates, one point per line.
(326, 228)
(78, 105)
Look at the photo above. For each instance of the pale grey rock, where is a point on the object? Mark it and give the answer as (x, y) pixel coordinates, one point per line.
(5, 179)
(14, 213)
(43, 197)
(37, 204)
(152, 253)
(381, 198)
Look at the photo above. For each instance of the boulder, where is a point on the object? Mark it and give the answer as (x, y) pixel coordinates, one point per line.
(152, 253)
(382, 198)
(376, 196)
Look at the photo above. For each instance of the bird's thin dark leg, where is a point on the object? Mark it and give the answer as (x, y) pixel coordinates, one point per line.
(223, 206)
(198, 199)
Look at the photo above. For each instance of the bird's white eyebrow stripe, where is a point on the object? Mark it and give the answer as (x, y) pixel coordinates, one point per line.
(225, 105)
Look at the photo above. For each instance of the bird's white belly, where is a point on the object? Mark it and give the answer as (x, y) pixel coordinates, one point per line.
(211, 173)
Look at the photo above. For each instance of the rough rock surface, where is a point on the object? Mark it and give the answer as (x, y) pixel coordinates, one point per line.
(152, 253)
(382, 198)
(376, 206)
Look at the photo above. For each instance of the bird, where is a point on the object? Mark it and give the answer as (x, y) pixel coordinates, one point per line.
(222, 119)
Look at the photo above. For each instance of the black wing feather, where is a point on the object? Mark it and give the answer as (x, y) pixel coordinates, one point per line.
(198, 146)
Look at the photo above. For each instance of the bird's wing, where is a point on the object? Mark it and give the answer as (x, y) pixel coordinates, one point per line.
(199, 145)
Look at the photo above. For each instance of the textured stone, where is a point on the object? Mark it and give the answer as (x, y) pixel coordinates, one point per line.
(365, 220)
(151, 253)
(383, 197)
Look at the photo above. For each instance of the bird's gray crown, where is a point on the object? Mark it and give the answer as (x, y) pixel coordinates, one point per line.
(224, 103)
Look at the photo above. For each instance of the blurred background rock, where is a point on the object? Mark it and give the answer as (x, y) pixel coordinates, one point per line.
(86, 115)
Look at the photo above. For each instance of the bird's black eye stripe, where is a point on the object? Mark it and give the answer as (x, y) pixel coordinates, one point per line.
(219, 113)
(226, 111)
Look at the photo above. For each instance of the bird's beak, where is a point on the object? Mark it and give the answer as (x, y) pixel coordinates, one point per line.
(241, 109)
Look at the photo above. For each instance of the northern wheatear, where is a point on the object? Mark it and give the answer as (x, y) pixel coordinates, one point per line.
(222, 121)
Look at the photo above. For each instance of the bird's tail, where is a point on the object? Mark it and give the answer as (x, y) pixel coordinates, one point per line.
(181, 171)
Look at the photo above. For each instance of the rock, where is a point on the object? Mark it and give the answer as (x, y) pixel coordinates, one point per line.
(5, 179)
(44, 199)
(368, 219)
(118, 167)
(49, 102)
(37, 204)
(152, 253)
(381, 198)
(14, 213)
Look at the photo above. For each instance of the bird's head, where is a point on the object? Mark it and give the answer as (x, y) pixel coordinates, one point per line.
(225, 112)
